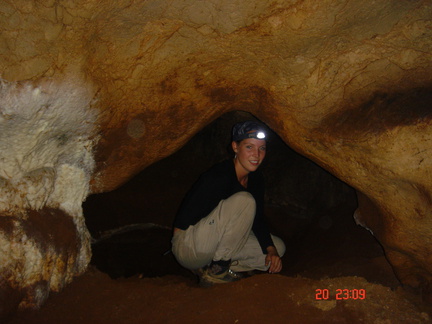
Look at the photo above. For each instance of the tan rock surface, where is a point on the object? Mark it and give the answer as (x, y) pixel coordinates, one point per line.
(345, 83)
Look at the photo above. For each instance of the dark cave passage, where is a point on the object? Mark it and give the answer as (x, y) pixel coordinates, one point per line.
(310, 209)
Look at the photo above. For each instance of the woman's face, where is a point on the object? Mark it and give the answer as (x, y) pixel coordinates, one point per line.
(250, 153)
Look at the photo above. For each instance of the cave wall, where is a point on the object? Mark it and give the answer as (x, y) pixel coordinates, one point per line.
(345, 83)
(47, 135)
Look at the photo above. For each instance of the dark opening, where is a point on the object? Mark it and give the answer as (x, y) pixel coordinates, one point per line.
(310, 209)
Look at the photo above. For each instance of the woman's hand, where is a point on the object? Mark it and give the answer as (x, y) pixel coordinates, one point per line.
(273, 259)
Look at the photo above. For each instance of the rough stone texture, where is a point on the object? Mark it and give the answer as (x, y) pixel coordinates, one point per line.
(345, 83)
(46, 162)
(39, 254)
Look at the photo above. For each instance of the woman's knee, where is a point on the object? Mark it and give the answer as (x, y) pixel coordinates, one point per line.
(243, 198)
(242, 203)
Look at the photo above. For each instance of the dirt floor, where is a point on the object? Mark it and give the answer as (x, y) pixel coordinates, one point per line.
(95, 298)
(142, 284)
(132, 278)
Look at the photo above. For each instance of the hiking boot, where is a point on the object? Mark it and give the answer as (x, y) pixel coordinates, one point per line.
(215, 274)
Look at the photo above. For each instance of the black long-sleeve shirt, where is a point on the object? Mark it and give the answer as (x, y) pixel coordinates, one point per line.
(220, 182)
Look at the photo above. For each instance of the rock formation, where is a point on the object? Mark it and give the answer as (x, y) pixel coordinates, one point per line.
(95, 92)
(46, 165)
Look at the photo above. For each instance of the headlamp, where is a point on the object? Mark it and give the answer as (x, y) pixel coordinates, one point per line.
(249, 129)
(258, 134)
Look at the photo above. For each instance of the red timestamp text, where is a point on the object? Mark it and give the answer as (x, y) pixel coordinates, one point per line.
(340, 294)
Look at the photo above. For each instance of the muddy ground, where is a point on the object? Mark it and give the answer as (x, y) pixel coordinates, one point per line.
(132, 281)
(353, 261)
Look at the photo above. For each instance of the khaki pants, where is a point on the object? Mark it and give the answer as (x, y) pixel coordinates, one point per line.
(225, 234)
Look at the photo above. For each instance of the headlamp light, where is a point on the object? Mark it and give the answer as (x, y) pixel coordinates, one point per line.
(255, 134)
(249, 129)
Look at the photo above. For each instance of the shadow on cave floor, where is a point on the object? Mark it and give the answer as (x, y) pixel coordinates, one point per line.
(343, 249)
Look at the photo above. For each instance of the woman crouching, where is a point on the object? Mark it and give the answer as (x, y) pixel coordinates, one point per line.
(220, 230)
